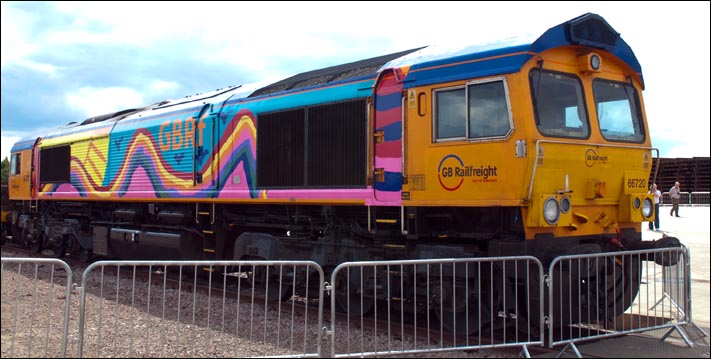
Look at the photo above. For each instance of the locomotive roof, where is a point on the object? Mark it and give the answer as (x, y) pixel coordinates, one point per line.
(362, 68)
(436, 64)
(433, 64)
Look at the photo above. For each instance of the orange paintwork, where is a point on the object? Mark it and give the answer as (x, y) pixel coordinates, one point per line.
(19, 185)
(495, 176)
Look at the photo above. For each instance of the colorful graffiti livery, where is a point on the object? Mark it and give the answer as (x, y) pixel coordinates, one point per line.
(145, 172)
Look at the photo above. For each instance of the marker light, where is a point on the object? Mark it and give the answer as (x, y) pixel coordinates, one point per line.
(565, 204)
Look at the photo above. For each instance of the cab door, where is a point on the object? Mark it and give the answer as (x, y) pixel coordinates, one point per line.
(387, 149)
(205, 159)
(20, 176)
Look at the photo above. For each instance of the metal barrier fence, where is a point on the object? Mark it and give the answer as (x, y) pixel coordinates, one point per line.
(689, 199)
(413, 306)
(225, 308)
(47, 283)
(201, 309)
(611, 294)
(673, 289)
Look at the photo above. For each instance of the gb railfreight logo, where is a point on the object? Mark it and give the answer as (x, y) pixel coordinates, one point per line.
(452, 172)
(591, 158)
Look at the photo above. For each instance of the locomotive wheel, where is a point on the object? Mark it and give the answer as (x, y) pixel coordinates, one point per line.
(351, 296)
(29, 240)
(16, 234)
(77, 251)
(58, 246)
(613, 291)
(460, 310)
(275, 288)
(37, 245)
(83, 255)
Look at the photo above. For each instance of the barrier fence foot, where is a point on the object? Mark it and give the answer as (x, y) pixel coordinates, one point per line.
(699, 329)
(524, 353)
(572, 346)
(681, 332)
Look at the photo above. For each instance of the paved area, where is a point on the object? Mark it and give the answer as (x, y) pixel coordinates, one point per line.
(692, 229)
(648, 345)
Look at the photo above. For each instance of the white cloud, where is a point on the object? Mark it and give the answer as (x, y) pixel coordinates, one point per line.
(99, 101)
(6, 142)
(14, 34)
(160, 86)
(47, 69)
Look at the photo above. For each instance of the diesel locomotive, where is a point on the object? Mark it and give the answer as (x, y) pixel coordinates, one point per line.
(524, 147)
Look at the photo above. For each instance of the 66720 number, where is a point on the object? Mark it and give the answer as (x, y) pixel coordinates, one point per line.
(636, 183)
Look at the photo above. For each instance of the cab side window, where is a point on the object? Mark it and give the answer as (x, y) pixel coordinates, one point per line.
(451, 114)
(15, 164)
(488, 110)
(479, 110)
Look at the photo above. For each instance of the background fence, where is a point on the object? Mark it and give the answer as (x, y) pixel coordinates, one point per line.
(689, 199)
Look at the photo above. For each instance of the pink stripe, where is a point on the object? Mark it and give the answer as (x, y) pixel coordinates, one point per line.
(65, 190)
(236, 190)
(391, 164)
(387, 198)
(140, 185)
(322, 194)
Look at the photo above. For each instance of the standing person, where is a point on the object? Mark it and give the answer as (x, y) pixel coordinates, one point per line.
(657, 200)
(675, 194)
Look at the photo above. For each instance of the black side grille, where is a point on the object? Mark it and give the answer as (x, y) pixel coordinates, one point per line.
(337, 145)
(280, 149)
(314, 147)
(55, 164)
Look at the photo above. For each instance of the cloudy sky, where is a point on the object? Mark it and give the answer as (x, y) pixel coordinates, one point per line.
(66, 61)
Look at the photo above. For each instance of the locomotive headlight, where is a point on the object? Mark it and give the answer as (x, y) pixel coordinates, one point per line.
(551, 210)
(595, 62)
(647, 208)
(565, 204)
(637, 203)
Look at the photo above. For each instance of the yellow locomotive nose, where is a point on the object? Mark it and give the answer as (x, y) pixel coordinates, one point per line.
(595, 189)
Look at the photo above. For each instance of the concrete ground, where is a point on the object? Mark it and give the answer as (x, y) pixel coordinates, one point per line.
(692, 229)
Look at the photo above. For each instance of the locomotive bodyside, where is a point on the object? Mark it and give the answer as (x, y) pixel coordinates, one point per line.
(538, 148)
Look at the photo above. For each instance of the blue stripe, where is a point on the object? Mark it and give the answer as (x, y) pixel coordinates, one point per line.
(23, 145)
(388, 102)
(392, 131)
(295, 100)
(492, 67)
(496, 62)
(392, 183)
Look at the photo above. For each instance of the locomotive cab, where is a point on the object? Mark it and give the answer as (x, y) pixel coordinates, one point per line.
(558, 149)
